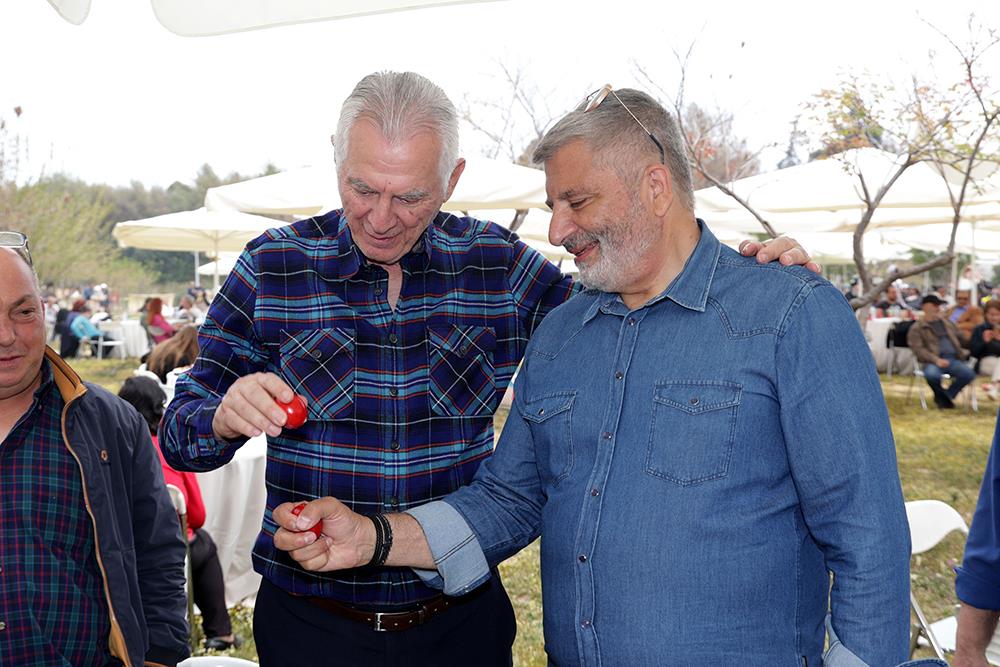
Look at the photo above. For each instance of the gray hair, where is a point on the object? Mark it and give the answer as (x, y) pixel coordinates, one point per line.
(618, 140)
(400, 104)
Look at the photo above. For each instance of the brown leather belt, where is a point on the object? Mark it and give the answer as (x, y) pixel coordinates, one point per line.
(391, 621)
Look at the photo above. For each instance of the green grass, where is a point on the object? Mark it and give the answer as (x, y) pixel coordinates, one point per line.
(941, 455)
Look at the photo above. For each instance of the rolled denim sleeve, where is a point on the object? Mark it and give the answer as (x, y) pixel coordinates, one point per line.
(978, 579)
(843, 461)
(461, 565)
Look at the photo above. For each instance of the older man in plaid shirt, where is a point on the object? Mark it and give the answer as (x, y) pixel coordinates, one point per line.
(401, 326)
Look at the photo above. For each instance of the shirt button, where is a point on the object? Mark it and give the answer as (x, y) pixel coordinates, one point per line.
(394, 501)
(631, 321)
(607, 435)
(694, 401)
(393, 338)
(619, 375)
(393, 391)
(315, 354)
(394, 446)
(3, 626)
(582, 558)
(378, 291)
(595, 492)
(585, 623)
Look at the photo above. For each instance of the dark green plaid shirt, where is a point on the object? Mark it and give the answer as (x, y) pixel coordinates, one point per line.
(52, 605)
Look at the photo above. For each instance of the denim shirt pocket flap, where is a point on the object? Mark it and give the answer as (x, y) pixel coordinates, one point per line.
(461, 375)
(319, 363)
(692, 430)
(698, 397)
(550, 419)
(464, 341)
(540, 409)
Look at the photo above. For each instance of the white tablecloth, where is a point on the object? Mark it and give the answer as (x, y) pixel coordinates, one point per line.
(130, 331)
(234, 498)
(877, 331)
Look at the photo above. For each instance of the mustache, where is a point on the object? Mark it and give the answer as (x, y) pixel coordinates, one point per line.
(580, 240)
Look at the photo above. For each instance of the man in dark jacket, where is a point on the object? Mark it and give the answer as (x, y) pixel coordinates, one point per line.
(91, 552)
(936, 344)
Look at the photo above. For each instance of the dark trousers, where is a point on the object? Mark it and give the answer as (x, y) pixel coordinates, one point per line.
(209, 587)
(290, 631)
(961, 375)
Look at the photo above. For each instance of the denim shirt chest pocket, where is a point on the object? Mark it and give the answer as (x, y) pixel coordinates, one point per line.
(460, 369)
(319, 364)
(550, 420)
(692, 430)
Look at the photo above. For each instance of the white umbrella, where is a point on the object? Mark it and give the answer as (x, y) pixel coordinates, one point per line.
(198, 18)
(198, 230)
(308, 191)
(832, 185)
(223, 265)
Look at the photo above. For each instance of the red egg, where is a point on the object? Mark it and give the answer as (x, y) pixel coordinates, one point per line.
(296, 411)
(317, 528)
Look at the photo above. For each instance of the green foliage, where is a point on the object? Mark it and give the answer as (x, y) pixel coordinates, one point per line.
(942, 274)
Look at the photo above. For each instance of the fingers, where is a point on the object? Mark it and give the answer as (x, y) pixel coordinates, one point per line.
(249, 408)
(786, 250)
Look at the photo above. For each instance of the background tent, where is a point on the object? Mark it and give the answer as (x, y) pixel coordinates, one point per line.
(197, 18)
(485, 184)
(199, 230)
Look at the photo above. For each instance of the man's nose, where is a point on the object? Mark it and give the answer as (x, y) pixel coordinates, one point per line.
(7, 336)
(560, 225)
(380, 218)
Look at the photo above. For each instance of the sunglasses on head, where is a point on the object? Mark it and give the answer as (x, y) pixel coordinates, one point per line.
(594, 100)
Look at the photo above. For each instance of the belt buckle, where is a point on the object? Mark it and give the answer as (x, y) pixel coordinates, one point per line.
(378, 622)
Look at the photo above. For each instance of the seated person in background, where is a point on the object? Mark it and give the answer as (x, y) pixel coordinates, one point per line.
(69, 342)
(912, 297)
(985, 347)
(157, 326)
(965, 315)
(84, 329)
(209, 588)
(891, 299)
(935, 342)
(186, 310)
(178, 352)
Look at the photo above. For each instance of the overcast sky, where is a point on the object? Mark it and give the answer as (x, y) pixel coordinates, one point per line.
(120, 98)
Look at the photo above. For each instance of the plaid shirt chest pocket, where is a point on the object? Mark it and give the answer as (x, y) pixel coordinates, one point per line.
(320, 365)
(461, 370)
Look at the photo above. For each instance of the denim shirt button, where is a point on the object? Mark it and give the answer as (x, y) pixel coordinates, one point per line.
(607, 435)
(595, 492)
(694, 401)
(631, 321)
(582, 558)
(585, 623)
(619, 375)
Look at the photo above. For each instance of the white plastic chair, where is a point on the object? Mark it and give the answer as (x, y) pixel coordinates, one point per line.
(918, 373)
(216, 661)
(930, 522)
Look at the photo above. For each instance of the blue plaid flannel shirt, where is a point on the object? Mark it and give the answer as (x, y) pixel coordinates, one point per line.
(401, 402)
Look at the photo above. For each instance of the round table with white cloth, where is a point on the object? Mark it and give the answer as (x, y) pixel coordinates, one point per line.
(129, 331)
(234, 498)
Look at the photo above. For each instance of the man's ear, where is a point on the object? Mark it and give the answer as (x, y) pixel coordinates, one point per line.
(661, 188)
(455, 175)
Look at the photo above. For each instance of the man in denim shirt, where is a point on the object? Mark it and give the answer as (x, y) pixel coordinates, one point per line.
(696, 461)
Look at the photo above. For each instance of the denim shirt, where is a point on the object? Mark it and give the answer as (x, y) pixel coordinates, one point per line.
(698, 468)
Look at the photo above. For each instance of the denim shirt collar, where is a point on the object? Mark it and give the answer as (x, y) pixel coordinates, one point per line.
(689, 289)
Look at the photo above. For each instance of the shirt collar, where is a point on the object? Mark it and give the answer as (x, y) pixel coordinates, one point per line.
(689, 289)
(349, 258)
